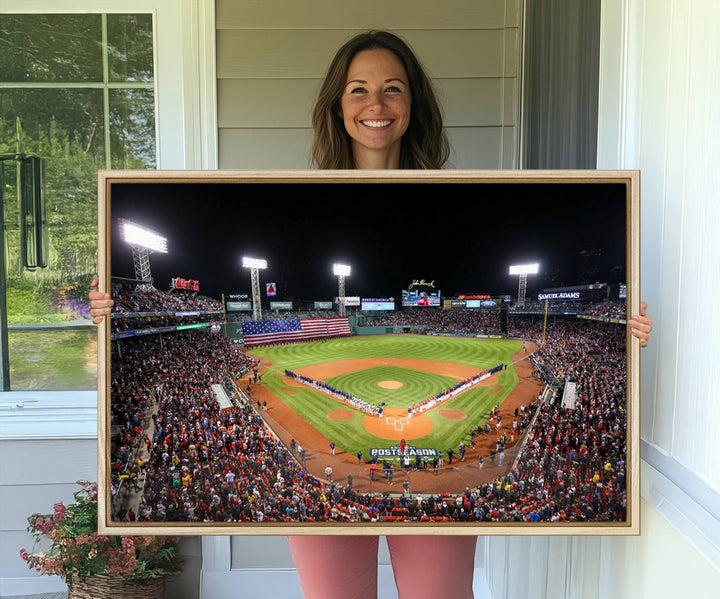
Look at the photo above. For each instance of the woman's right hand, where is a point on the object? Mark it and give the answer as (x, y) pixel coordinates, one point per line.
(100, 302)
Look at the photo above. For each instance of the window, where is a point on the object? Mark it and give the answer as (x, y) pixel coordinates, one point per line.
(77, 91)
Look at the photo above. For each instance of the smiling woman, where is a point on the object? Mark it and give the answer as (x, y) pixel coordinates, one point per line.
(364, 104)
(375, 108)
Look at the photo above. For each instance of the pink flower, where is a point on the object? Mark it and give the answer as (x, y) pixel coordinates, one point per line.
(24, 555)
(121, 562)
(59, 512)
(43, 526)
(128, 543)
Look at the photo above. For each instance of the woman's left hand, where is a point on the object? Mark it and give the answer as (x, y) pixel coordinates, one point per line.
(641, 325)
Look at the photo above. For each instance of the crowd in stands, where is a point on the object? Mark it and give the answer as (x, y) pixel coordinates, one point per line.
(443, 321)
(488, 320)
(138, 310)
(207, 464)
(606, 309)
(128, 300)
(155, 371)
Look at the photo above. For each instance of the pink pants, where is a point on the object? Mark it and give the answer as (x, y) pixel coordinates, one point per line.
(345, 567)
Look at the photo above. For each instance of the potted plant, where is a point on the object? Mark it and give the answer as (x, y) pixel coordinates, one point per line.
(95, 566)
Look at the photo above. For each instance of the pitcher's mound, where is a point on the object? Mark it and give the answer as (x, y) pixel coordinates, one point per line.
(390, 384)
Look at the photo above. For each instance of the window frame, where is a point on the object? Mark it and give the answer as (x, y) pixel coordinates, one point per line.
(186, 138)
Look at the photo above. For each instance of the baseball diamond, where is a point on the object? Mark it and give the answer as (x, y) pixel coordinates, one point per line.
(394, 373)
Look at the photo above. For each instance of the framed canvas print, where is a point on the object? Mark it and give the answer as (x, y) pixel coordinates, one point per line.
(362, 352)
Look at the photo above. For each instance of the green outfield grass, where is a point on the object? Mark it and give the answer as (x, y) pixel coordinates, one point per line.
(350, 435)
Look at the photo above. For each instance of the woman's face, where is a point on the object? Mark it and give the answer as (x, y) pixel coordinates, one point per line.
(375, 105)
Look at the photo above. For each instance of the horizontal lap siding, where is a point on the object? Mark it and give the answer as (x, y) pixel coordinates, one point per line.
(36, 474)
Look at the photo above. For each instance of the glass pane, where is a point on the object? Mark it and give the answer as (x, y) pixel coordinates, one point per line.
(130, 48)
(65, 128)
(52, 119)
(54, 359)
(43, 48)
(132, 128)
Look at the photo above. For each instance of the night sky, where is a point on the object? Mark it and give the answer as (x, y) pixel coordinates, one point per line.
(462, 236)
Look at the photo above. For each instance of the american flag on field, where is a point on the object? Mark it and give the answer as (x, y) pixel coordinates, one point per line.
(261, 332)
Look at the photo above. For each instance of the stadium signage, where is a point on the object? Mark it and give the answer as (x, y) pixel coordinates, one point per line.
(239, 306)
(476, 296)
(348, 301)
(281, 305)
(410, 450)
(563, 295)
(323, 305)
(421, 283)
(184, 327)
(420, 298)
(185, 284)
(378, 303)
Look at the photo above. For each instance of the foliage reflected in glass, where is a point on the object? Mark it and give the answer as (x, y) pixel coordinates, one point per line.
(132, 128)
(42, 48)
(130, 47)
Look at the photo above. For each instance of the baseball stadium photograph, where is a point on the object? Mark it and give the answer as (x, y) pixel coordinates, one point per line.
(328, 353)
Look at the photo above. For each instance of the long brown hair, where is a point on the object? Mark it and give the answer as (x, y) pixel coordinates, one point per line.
(424, 145)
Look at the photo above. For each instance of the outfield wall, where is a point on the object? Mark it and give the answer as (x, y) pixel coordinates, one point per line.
(375, 330)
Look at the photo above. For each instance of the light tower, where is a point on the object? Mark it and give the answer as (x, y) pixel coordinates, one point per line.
(143, 242)
(255, 264)
(523, 270)
(341, 271)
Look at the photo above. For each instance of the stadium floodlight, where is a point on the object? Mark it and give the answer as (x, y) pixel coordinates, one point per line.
(143, 242)
(255, 265)
(522, 271)
(137, 235)
(341, 271)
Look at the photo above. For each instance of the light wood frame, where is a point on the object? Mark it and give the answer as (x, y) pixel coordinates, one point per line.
(628, 178)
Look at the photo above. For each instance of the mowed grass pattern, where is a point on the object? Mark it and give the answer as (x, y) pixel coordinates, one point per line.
(350, 435)
(366, 384)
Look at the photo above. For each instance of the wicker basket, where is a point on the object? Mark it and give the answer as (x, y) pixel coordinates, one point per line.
(116, 587)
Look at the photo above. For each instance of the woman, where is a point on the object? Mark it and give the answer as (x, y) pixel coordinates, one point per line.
(363, 119)
(376, 109)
